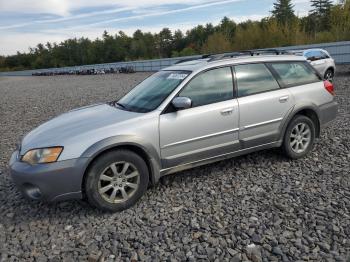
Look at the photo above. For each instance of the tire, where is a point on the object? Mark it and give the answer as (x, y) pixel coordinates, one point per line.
(329, 75)
(295, 135)
(116, 180)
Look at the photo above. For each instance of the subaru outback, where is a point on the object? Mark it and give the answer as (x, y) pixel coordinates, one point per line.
(190, 114)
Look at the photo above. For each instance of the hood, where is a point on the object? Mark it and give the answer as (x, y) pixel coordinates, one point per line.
(74, 123)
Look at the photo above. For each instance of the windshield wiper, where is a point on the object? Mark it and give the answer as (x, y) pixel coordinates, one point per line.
(120, 105)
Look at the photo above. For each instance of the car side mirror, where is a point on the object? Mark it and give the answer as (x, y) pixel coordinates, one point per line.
(182, 102)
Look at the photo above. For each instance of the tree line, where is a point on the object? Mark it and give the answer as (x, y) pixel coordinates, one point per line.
(326, 22)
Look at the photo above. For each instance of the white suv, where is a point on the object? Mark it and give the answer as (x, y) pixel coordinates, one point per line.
(321, 60)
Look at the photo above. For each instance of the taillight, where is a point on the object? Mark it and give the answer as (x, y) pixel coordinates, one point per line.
(329, 87)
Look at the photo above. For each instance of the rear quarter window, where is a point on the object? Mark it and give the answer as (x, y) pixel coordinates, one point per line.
(294, 73)
(324, 55)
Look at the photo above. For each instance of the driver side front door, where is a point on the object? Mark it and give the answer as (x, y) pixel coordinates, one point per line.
(206, 130)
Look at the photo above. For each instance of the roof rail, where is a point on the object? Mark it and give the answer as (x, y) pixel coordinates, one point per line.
(227, 55)
(254, 52)
(270, 51)
(192, 59)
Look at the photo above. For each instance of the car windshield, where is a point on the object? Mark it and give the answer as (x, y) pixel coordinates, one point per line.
(150, 93)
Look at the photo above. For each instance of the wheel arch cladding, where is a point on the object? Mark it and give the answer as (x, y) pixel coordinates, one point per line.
(100, 148)
(331, 68)
(312, 114)
(309, 111)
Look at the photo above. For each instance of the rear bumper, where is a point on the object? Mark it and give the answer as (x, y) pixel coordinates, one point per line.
(49, 182)
(328, 112)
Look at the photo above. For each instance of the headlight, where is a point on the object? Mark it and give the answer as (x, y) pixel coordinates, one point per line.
(42, 155)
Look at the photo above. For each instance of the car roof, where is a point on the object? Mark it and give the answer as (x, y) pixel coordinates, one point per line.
(201, 64)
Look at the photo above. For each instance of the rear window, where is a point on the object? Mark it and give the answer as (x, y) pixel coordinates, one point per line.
(295, 73)
(316, 55)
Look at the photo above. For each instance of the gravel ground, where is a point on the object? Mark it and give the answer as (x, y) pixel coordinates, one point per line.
(259, 207)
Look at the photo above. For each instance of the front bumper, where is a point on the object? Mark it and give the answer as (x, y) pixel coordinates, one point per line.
(49, 182)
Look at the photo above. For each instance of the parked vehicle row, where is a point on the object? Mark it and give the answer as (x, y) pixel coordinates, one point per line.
(186, 115)
(320, 59)
(125, 70)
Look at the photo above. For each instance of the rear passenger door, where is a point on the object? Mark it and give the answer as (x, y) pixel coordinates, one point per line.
(262, 104)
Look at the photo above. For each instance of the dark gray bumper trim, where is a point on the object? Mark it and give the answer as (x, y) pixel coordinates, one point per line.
(56, 181)
(328, 112)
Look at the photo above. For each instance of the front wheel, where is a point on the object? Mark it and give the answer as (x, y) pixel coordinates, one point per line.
(116, 180)
(299, 137)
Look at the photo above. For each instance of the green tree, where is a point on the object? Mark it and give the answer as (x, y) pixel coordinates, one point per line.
(283, 11)
(197, 36)
(320, 14)
(179, 41)
(164, 42)
(216, 43)
(325, 23)
(321, 7)
(227, 27)
(340, 21)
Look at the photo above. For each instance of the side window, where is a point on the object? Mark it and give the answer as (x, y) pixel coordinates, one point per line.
(324, 55)
(210, 87)
(315, 55)
(311, 56)
(319, 55)
(295, 73)
(253, 79)
(308, 55)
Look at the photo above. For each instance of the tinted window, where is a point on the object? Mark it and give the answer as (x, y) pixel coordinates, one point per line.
(210, 87)
(312, 55)
(324, 55)
(254, 78)
(295, 73)
(315, 55)
(150, 93)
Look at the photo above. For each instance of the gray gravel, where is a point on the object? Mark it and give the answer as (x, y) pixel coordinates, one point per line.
(259, 207)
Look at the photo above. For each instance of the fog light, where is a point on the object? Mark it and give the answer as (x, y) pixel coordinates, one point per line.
(32, 191)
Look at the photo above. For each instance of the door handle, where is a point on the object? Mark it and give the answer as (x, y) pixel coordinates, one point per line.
(284, 99)
(227, 111)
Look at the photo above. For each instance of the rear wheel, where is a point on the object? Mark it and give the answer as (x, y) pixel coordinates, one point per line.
(116, 180)
(299, 137)
(329, 75)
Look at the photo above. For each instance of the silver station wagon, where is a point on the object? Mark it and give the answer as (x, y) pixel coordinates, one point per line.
(193, 113)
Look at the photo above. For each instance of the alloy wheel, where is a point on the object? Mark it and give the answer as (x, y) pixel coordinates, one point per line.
(329, 75)
(300, 138)
(118, 182)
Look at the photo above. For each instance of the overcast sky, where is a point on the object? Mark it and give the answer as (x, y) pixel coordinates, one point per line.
(25, 23)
